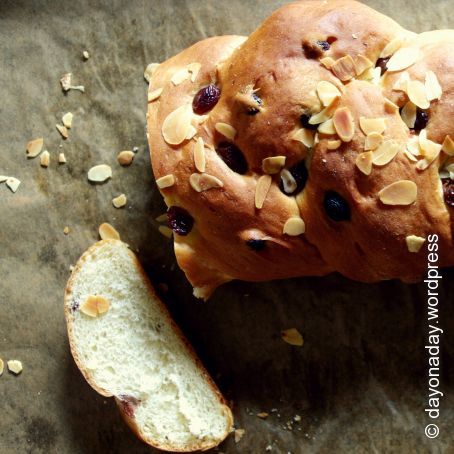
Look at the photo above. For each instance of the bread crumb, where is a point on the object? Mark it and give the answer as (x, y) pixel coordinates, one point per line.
(263, 415)
(66, 230)
(13, 183)
(65, 82)
(85, 55)
(44, 159)
(62, 130)
(61, 158)
(2, 367)
(292, 336)
(34, 147)
(67, 120)
(297, 418)
(99, 173)
(239, 434)
(125, 158)
(15, 366)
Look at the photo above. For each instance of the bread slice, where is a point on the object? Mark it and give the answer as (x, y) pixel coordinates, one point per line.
(135, 352)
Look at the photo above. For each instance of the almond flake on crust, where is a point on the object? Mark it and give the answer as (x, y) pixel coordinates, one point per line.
(343, 123)
(409, 155)
(177, 124)
(180, 76)
(199, 155)
(108, 232)
(194, 69)
(119, 201)
(14, 366)
(416, 91)
(13, 183)
(369, 125)
(327, 92)
(433, 87)
(323, 115)
(201, 182)
(67, 120)
(390, 107)
(261, 190)
(149, 71)
(294, 226)
(448, 146)
(166, 181)
(327, 127)
(34, 147)
(226, 130)
(373, 141)
(414, 243)
(273, 164)
(327, 62)
(305, 136)
(333, 144)
(402, 82)
(362, 64)
(95, 305)
(393, 46)
(292, 336)
(154, 94)
(402, 59)
(408, 114)
(191, 133)
(125, 157)
(402, 192)
(344, 68)
(385, 153)
(429, 150)
(99, 173)
(44, 159)
(364, 162)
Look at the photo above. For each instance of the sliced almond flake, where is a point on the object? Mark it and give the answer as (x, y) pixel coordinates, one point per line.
(362, 63)
(177, 125)
(343, 123)
(166, 231)
(65, 82)
(414, 243)
(108, 232)
(2, 367)
(392, 47)
(162, 218)
(403, 58)
(327, 92)
(119, 201)
(376, 76)
(261, 190)
(239, 433)
(199, 155)
(199, 119)
(305, 136)
(373, 140)
(294, 226)
(191, 133)
(180, 76)
(125, 157)
(367, 75)
(408, 114)
(67, 120)
(3, 178)
(448, 146)
(14, 366)
(327, 62)
(226, 130)
(149, 71)
(429, 149)
(194, 69)
(390, 107)
(288, 181)
(273, 164)
(386, 152)
(201, 182)
(95, 305)
(413, 146)
(154, 94)
(327, 127)
(402, 192)
(61, 158)
(344, 68)
(13, 183)
(263, 415)
(433, 87)
(323, 115)
(34, 147)
(166, 181)
(369, 125)
(402, 82)
(44, 159)
(63, 131)
(333, 144)
(292, 336)
(416, 91)
(99, 173)
(410, 156)
(364, 162)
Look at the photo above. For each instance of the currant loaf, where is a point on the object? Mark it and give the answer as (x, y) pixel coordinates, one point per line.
(322, 142)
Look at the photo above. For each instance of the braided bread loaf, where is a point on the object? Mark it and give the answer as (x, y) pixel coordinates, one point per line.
(321, 143)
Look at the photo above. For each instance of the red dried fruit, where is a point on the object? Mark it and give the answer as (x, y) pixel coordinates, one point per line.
(233, 157)
(205, 99)
(448, 191)
(179, 220)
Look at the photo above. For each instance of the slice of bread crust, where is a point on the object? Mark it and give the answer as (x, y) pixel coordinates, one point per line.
(136, 353)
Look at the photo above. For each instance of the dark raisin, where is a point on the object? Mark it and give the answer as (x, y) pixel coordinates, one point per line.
(336, 207)
(311, 50)
(300, 174)
(179, 220)
(381, 63)
(422, 118)
(255, 244)
(255, 110)
(324, 45)
(205, 99)
(232, 156)
(304, 119)
(448, 191)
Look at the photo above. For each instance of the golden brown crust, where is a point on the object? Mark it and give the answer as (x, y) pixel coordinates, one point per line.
(283, 62)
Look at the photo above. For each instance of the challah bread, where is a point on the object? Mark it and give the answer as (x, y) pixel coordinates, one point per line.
(126, 345)
(320, 143)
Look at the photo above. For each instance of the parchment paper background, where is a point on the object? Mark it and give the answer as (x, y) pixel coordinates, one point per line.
(359, 381)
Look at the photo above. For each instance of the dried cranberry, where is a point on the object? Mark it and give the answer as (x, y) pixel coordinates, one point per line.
(255, 244)
(422, 118)
(448, 191)
(324, 45)
(336, 207)
(179, 220)
(304, 119)
(381, 63)
(232, 156)
(205, 99)
(300, 174)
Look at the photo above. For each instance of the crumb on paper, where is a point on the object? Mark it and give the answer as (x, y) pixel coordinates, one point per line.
(119, 201)
(108, 232)
(65, 82)
(263, 415)
(62, 130)
(67, 120)
(66, 230)
(13, 183)
(239, 433)
(34, 147)
(44, 159)
(14, 366)
(61, 158)
(2, 367)
(292, 336)
(85, 55)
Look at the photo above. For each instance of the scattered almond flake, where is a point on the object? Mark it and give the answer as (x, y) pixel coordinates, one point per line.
(410, 156)
(191, 133)
(177, 125)
(402, 192)
(194, 69)
(364, 162)
(263, 415)
(67, 120)
(344, 68)
(95, 305)
(119, 201)
(166, 231)
(199, 119)
(414, 243)
(323, 115)
(65, 82)
(294, 226)
(108, 232)
(402, 59)
(44, 159)
(292, 336)
(362, 63)
(297, 418)
(369, 125)
(305, 136)
(354, 36)
(390, 107)
(14, 366)
(201, 182)
(433, 88)
(180, 76)
(162, 218)
(226, 130)
(343, 123)
(316, 139)
(34, 147)
(239, 434)
(408, 114)
(3, 178)
(429, 149)
(392, 47)
(62, 130)
(99, 173)
(13, 183)
(288, 181)
(327, 62)
(149, 71)
(261, 190)
(402, 82)
(166, 181)
(71, 268)
(154, 94)
(199, 155)
(376, 76)
(368, 75)
(273, 164)
(333, 144)
(413, 146)
(373, 140)
(85, 55)
(448, 146)
(125, 157)
(327, 127)
(66, 230)
(2, 367)
(327, 92)
(386, 152)
(416, 91)
(135, 149)
(61, 158)
(269, 448)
